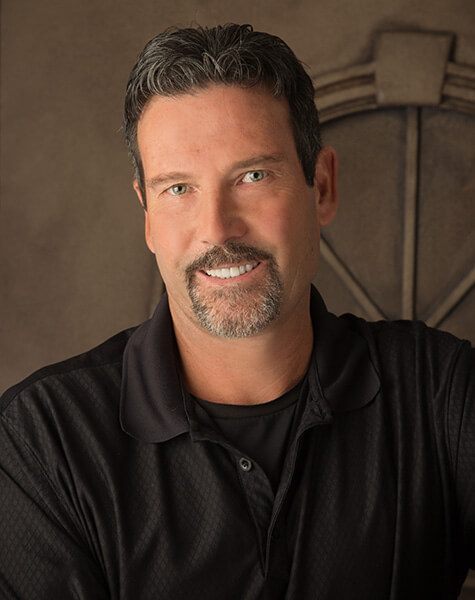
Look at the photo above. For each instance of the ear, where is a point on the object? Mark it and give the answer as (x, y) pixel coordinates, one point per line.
(325, 180)
(148, 235)
(139, 193)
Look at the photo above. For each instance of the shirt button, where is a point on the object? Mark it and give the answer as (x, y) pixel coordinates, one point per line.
(245, 464)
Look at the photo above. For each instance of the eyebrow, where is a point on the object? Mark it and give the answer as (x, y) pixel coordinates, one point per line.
(167, 178)
(262, 158)
(164, 178)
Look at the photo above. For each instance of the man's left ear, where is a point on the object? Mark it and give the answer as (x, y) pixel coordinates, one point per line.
(325, 180)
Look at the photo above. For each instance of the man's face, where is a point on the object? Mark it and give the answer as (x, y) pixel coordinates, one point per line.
(230, 218)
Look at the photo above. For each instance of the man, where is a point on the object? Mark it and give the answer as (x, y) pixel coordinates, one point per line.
(244, 443)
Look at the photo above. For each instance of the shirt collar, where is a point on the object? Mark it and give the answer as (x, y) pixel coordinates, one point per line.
(152, 405)
(341, 372)
(152, 398)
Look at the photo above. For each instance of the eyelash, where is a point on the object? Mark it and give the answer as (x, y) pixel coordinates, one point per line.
(262, 171)
(175, 185)
(186, 186)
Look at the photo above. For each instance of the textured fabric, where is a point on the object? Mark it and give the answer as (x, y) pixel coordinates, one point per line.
(376, 499)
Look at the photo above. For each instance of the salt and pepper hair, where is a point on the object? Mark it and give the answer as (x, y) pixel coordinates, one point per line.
(179, 61)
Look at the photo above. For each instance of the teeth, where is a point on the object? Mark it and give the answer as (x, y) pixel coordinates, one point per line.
(231, 272)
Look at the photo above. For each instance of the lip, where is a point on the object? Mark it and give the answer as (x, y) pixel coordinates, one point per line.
(217, 281)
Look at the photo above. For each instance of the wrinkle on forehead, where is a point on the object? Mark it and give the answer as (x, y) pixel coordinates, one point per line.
(229, 123)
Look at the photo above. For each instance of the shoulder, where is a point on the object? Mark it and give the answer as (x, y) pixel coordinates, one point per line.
(68, 397)
(59, 441)
(58, 424)
(419, 367)
(426, 376)
(405, 342)
(107, 355)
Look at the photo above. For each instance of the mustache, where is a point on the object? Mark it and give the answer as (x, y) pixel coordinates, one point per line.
(229, 253)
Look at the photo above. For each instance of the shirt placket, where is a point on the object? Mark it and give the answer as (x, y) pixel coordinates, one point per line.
(265, 507)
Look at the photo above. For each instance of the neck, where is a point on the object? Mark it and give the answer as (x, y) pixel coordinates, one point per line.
(249, 370)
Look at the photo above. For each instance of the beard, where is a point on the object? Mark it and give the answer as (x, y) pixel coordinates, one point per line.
(235, 311)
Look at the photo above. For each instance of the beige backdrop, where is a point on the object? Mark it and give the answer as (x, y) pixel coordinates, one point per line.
(74, 267)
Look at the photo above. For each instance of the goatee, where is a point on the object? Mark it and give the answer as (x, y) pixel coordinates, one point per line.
(236, 311)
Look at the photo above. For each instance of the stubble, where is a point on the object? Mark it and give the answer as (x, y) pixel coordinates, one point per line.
(236, 310)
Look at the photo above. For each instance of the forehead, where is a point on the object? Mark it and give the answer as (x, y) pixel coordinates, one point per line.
(218, 118)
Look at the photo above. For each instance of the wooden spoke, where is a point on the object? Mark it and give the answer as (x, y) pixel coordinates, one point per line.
(410, 213)
(351, 282)
(450, 302)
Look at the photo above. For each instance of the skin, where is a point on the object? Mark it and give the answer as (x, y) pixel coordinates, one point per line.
(211, 144)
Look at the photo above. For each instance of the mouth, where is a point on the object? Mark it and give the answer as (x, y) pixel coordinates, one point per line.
(232, 271)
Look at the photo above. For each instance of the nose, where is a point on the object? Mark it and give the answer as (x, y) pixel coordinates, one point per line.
(220, 220)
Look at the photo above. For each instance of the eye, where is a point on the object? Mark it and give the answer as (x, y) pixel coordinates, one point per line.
(253, 176)
(178, 189)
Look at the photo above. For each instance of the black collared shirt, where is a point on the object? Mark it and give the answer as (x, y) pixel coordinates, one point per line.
(376, 498)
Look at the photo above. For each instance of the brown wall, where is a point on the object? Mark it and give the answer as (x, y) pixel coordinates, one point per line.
(74, 268)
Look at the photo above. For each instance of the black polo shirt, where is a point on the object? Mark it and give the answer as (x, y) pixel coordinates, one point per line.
(376, 498)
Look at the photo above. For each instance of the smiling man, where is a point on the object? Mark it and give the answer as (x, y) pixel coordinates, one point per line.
(234, 226)
(244, 443)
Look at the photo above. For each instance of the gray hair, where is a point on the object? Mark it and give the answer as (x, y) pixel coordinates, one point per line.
(178, 61)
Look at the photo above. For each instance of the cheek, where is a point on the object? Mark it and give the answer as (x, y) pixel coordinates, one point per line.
(278, 228)
(303, 244)
(275, 218)
(173, 255)
(166, 238)
(297, 228)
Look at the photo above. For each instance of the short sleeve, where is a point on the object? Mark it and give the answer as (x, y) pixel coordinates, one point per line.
(41, 553)
(461, 431)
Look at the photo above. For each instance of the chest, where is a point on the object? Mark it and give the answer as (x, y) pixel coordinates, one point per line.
(362, 510)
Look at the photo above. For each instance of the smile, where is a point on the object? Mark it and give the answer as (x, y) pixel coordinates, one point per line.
(230, 272)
